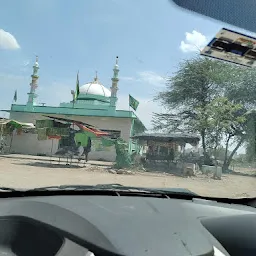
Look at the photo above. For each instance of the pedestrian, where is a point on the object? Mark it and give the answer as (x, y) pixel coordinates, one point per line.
(80, 150)
(87, 149)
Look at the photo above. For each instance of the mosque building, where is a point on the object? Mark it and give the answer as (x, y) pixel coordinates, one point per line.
(94, 105)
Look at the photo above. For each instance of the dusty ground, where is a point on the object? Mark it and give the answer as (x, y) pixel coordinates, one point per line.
(28, 172)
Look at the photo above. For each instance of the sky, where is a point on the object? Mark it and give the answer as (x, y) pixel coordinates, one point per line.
(150, 37)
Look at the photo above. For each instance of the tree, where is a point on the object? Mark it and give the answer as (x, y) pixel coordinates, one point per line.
(220, 153)
(212, 98)
(244, 92)
(226, 120)
(251, 137)
(196, 83)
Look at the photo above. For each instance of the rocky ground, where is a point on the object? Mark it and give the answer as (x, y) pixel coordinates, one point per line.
(27, 172)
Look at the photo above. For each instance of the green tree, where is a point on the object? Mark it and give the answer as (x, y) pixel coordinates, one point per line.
(226, 121)
(242, 89)
(244, 92)
(220, 153)
(251, 137)
(212, 98)
(188, 93)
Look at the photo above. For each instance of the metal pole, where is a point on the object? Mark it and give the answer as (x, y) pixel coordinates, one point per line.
(131, 132)
(51, 152)
(2, 142)
(2, 130)
(11, 142)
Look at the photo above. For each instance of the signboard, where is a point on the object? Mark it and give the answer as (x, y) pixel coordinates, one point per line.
(233, 47)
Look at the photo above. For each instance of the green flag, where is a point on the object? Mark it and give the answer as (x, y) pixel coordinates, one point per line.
(15, 96)
(133, 103)
(77, 86)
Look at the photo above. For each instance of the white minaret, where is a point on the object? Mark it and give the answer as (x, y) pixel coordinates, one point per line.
(114, 87)
(33, 85)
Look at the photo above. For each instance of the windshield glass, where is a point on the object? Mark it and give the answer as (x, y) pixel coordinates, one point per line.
(108, 91)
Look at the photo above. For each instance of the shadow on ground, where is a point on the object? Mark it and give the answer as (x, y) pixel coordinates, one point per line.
(163, 169)
(50, 165)
(253, 174)
(173, 170)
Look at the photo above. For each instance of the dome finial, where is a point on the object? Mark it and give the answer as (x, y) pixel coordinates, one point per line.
(96, 76)
(36, 63)
(116, 65)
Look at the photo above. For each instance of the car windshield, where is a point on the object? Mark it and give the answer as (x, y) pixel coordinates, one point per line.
(138, 93)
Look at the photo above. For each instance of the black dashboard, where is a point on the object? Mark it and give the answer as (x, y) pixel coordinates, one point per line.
(123, 225)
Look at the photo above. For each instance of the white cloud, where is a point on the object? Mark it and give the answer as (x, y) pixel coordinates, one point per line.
(147, 77)
(193, 42)
(8, 41)
(151, 77)
(25, 66)
(127, 78)
(26, 63)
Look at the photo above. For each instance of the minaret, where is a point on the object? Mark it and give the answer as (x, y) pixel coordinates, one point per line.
(114, 87)
(33, 85)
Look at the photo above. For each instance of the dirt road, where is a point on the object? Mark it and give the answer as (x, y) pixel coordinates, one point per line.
(27, 173)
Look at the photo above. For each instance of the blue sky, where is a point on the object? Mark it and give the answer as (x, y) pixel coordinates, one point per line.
(150, 37)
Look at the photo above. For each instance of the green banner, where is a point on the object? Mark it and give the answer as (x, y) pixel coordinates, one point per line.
(133, 103)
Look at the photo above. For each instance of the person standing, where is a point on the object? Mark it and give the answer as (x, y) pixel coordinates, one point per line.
(87, 149)
(80, 151)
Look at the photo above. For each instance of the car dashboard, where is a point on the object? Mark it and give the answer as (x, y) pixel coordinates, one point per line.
(122, 225)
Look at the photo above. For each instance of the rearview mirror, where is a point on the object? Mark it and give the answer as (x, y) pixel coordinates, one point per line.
(240, 13)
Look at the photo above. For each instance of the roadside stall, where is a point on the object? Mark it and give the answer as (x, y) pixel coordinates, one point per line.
(69, 132)
(81, 132)
(165, 148)
(8, 130)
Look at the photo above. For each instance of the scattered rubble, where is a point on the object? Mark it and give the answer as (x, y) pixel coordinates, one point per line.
(112, 171)
(121, 171)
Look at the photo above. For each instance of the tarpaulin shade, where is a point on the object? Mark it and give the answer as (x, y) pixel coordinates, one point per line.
(83, 126)
(16, 124)
(94, 131)
(54, 137)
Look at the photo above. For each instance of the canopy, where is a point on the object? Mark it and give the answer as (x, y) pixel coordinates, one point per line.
(83, 126)
(94, 131)
(169, 137)
(16, 124)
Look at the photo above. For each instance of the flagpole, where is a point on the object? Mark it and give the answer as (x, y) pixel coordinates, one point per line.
(130, 114)
(133, 103)
(130, 141)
